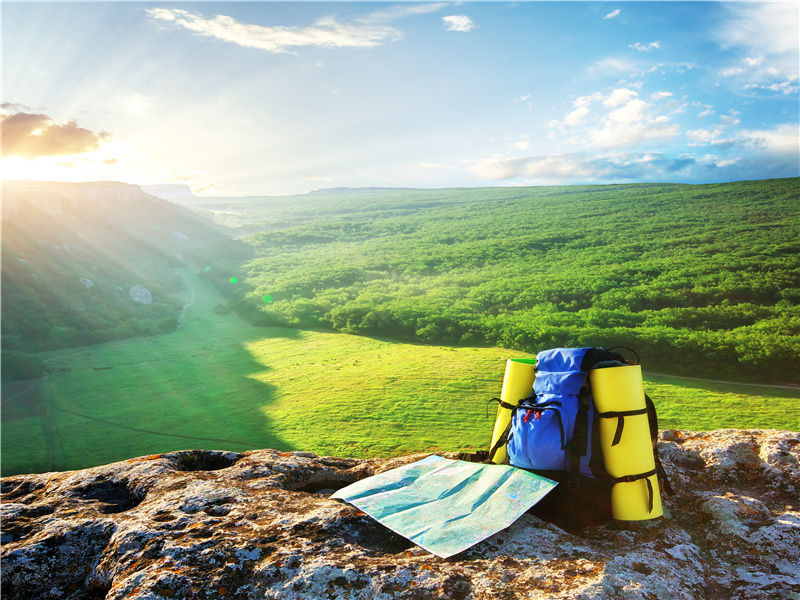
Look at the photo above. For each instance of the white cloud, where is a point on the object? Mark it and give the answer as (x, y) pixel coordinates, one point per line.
(767, 34)
(655, 45)
(325, 32)
(706, 113)
(576, 116)
(731, 71)
(660, 95)
(612, 14)
(619, 96)
(784, 87)
(458, 23)
(522, 142)
(783, 139)
(525, 99)
(399, 11)
(565, 168)
(632, 133)
(729, 120)
(612, 66)
(753, 62)
(631, 121)
(587, 100)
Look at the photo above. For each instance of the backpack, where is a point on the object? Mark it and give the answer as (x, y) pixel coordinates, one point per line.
(554, 432)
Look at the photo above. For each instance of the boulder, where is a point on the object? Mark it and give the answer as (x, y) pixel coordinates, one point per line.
(205, 524)
(139, 293)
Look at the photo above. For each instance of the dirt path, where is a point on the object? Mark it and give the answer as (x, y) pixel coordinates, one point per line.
(186, 306)
(795, 388)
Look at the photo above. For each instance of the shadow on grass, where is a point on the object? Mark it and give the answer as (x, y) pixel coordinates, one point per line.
(191, 390)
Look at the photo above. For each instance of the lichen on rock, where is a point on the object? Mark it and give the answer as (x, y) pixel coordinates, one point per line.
(224, 525)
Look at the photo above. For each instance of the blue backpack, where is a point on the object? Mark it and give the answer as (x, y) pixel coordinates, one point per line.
(554, 432)
(550, 429)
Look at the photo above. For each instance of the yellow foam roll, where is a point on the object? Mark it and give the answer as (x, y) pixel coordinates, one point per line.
(620, 389)
(627, 457)
(517, 384)
(630, 499)
(617, 388)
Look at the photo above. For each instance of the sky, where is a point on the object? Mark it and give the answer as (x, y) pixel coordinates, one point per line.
(282, 98)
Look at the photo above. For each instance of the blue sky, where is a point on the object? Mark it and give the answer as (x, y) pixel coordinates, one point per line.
(273, 98)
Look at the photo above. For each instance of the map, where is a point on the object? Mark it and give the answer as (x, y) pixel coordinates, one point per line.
(446, 506)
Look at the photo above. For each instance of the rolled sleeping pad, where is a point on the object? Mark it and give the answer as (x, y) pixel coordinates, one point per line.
(625, 442)
(517, 384)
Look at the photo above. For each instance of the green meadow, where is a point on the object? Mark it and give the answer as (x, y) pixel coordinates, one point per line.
(223, 383)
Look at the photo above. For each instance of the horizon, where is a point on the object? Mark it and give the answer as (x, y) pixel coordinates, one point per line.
(345, 189)
(276, 98)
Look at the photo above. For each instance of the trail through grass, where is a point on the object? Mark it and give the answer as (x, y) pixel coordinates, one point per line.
(221, 383)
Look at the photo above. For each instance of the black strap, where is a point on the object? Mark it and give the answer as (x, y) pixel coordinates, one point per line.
(501, 403)
(637, 477)
(501, 441)
(580, 435)
(620, 416)
(631, 350)
(653, 418)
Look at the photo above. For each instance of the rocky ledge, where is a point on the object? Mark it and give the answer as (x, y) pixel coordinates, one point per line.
(210, 524)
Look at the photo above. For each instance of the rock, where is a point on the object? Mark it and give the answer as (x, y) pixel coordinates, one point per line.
(87, 283)
(139, 293)
(207, 524)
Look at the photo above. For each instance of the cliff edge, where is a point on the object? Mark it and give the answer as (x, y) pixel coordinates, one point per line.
(221, 525)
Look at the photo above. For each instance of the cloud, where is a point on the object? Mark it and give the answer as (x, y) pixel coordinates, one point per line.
(617, 119)
(645, 47)
(782, 142)
(399, 11)
(458, 23)
(567, 168)
(521, 142)
(767, 34)
(326, 32)
(619, 96)
(660, 95)
(612, 66)
(29, 136)
(612, 14)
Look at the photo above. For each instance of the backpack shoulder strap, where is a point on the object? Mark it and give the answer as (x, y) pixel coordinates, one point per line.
(653, 419)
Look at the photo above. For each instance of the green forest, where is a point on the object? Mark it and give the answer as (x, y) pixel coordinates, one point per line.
(698, 279)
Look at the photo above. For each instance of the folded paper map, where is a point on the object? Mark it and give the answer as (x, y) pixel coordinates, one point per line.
(445, 506)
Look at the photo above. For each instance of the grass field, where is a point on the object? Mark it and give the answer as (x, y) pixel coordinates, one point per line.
(222, 383)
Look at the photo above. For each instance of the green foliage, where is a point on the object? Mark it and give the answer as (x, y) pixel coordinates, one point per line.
(702, 280)
(21, 365)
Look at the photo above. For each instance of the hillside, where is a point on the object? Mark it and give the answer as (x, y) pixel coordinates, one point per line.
(92, 262)
(700, 280)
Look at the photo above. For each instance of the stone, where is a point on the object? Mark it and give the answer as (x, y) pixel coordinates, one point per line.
(139, 293)
(204, 524)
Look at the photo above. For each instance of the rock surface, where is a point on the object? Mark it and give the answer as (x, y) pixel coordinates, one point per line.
(211, 524)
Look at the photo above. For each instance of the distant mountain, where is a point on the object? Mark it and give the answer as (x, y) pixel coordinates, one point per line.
(169, 191)
(90, 262)
(351, 190)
